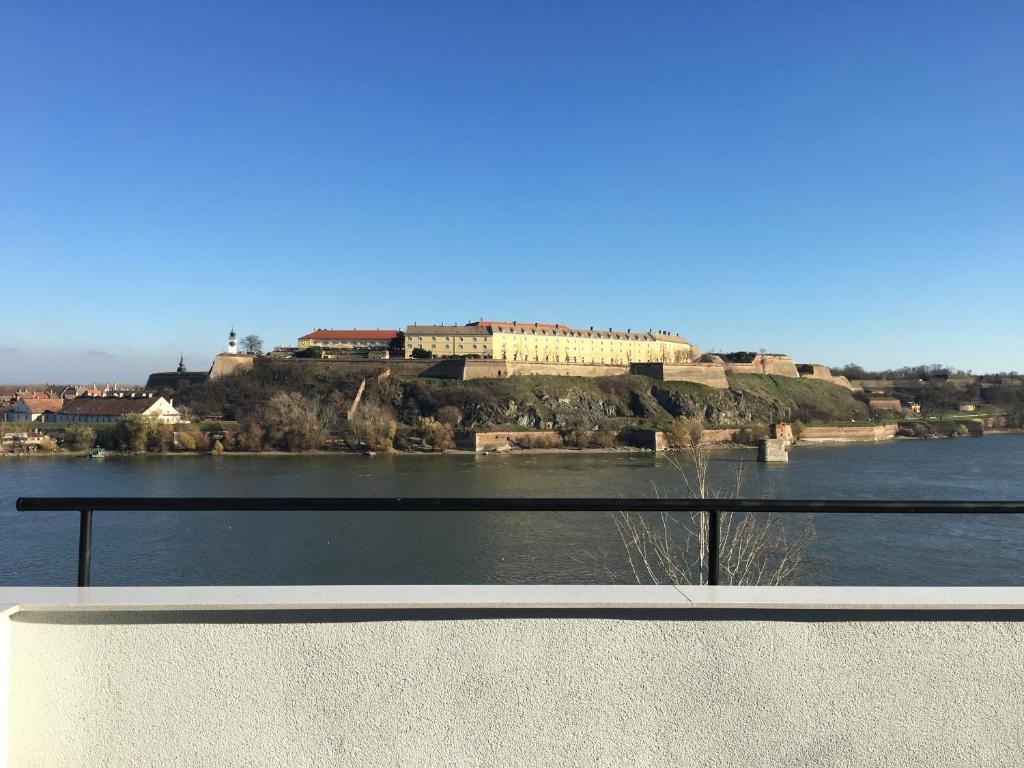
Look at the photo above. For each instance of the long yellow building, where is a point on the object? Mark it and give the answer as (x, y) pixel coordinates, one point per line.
(547, 343)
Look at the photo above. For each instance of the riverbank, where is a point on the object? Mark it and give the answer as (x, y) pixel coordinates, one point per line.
(618, 449)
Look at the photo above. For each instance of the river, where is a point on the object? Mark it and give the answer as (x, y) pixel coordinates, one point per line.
(478, 548)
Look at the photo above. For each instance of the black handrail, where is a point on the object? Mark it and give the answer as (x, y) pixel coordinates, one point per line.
(86, 505)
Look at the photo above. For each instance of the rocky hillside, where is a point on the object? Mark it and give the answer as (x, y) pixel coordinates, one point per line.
(563, 402)
(537, 402)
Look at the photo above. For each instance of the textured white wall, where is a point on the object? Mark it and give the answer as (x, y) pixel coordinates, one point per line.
(5, 669)
(514, 692)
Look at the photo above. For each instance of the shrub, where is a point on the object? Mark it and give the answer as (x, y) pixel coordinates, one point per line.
(79, 438)
(131, 433)
(449, 415)
(295, 422)
(250, 438)
(436, 434)
(218, 447)
(186, 441)
(373, 425)
(683, 433)
(158, 438)
(750, 435)
(47, 443)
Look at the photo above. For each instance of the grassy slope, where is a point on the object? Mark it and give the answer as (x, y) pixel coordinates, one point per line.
(811, 401)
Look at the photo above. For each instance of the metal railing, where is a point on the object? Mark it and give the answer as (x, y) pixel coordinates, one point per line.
(86, 506)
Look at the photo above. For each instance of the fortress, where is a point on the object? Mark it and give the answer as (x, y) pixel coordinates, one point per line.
(494, 349)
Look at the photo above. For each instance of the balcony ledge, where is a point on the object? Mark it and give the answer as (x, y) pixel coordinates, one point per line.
(507, 597)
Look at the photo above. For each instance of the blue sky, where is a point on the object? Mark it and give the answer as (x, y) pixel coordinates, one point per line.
(840, 181)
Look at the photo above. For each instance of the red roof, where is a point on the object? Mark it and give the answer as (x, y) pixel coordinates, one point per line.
(323, 334)
(43, 404)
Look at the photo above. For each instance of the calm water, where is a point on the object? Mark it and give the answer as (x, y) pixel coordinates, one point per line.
(383, 548)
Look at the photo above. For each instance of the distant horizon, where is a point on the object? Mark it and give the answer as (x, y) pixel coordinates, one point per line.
(836, 182)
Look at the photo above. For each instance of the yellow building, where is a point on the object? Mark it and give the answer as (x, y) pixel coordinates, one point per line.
(546, 343)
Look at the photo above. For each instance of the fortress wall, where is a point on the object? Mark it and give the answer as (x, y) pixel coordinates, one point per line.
(875, 433)
(565, 369)
(771, 365)
(779, 365)
(485, 369)
(651, 439)
(708, 374)
(717, 436)
(225, 364)
(494, 369)
(824, 373)
(498, 441)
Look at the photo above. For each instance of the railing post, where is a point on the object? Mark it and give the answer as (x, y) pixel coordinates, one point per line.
(713, 547)
(84, 547)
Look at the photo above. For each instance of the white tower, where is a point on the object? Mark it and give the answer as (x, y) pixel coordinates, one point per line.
(232, 348)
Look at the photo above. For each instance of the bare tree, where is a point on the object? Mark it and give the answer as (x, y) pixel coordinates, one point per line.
(671, 548)
(252, 344)
(296, 423)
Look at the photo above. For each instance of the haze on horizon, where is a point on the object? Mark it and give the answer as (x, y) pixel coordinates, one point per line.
(842, 183)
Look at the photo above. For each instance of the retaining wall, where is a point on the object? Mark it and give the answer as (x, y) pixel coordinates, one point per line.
(496, 441)
(868, 434)
(771, 365)
(225, 364)
(708, 374)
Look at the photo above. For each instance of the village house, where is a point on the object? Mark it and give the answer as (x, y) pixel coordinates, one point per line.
(105, 410)
(34, 408)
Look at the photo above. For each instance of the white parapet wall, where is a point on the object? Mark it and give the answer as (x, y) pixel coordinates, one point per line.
(514, 676)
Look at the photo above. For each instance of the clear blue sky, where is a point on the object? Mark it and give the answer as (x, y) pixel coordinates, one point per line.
(840, 181)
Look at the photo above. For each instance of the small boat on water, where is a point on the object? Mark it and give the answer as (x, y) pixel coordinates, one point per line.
(97, 453)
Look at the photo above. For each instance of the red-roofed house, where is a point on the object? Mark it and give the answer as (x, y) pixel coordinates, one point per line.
(33, 408)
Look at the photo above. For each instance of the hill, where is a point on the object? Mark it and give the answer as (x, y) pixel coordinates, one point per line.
(533, 402)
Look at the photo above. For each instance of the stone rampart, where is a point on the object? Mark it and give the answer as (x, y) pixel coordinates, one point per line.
(650, 439)
(563, 369)
(717, 436)
(503, 441)
(865, 434)
(771, 365)
(781, 430)
(708, 374)
(225, 364)
(822, 373)
(458, 368)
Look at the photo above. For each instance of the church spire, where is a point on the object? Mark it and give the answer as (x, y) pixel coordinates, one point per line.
(181, 365)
